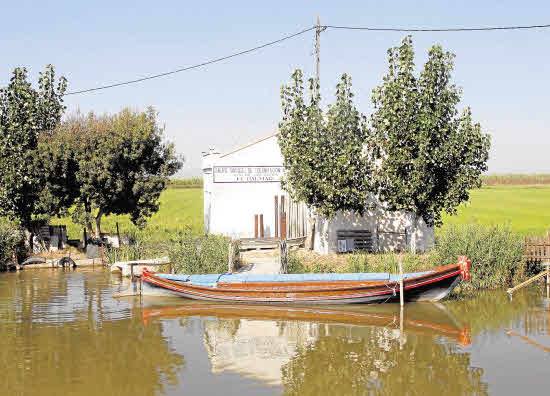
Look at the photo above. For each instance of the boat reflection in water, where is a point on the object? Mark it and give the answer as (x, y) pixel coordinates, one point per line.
(310, 349)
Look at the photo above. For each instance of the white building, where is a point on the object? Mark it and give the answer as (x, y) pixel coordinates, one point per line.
(243, 198)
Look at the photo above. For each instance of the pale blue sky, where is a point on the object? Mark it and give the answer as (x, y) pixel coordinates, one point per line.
(504, 75)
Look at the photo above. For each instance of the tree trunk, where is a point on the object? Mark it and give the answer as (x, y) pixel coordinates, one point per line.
(31, 241)
(88, 212)
(98, 224)
(310, 238)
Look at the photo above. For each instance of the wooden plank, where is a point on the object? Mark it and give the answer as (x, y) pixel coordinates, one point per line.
(528, 281)
(261, 225)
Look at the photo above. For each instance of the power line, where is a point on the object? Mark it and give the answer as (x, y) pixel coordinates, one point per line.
(209, 62)
(457, 29)
(290, 36)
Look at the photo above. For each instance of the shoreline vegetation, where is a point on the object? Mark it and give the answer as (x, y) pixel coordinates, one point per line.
(493, 241)
(495, 251)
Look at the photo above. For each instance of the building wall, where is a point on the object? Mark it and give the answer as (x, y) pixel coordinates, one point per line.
(229, 207)
(230, 204)
(392, 231)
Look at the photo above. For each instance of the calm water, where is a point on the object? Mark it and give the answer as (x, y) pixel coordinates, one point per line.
(62, 333)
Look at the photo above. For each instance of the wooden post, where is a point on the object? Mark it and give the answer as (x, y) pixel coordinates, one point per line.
(276, 216)
(282, 222)
(118, 234)
(255, 226)
(401, 328)
(283, 257)
(231, 258)
(401, 289)
(261, 225)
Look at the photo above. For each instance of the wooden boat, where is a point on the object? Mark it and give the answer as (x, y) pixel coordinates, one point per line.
(325, 289)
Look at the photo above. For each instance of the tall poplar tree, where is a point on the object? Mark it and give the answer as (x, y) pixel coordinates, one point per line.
(430, 154)
(325, 162)
(25, 114)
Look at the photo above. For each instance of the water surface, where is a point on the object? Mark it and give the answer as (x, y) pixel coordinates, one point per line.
(62, 333)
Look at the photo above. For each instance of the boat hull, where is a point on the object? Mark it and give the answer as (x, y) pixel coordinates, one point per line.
(433, 286)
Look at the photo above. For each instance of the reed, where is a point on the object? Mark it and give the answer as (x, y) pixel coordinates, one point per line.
(192, 254)
(495, 251)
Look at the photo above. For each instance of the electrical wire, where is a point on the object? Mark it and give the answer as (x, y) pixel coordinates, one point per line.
(457, 29)
(290, 36)
(196, 66)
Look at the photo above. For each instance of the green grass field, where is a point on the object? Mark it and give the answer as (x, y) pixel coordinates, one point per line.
(525, 208)
(179, 208)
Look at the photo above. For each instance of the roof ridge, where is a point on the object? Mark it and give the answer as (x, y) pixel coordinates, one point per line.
(249, 144)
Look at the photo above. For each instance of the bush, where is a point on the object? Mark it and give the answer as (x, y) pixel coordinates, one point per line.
(496, 253)
(11, 241)
(192, 254)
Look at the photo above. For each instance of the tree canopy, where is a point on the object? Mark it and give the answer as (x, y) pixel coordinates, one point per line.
(326, 164)
(430, 155)
(116, 164)
(26, 113)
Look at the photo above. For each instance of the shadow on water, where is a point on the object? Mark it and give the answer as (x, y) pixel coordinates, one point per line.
(63, 333)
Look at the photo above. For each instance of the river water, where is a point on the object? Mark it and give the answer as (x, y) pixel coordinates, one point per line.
(63, 333)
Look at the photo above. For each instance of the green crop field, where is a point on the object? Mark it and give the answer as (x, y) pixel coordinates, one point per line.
(179, 208)
(525, 208)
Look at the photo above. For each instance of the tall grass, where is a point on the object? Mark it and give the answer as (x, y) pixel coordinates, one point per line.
(190, 182)
(495, 251)
(189, 253)
(516, 179)
(192, 254)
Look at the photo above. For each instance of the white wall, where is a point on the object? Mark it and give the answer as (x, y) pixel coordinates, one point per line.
(229, 208)
(386, 228)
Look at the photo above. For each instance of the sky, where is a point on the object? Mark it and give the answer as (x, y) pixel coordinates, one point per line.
(504, 75)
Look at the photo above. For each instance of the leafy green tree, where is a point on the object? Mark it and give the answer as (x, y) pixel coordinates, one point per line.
(429, 154)
(325, 161)
(121, 162)
(26, 114)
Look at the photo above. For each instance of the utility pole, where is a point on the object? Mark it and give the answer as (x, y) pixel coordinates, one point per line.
(318, 30)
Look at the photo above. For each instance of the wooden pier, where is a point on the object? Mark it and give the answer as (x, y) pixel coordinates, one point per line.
(537, 250)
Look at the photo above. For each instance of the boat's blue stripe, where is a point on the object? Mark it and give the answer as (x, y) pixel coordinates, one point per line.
(213, 279)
